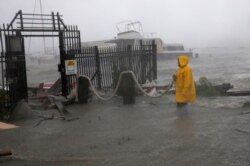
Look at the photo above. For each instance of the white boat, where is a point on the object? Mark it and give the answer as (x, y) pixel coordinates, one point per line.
(134, 34)
(173, 51)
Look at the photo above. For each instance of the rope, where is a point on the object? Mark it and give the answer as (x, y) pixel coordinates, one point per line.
(118, 84)
(146, 94)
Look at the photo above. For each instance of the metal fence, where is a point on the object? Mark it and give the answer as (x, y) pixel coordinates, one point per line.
(103, 65)
(5, 102)
(13, 84)
(13, 80)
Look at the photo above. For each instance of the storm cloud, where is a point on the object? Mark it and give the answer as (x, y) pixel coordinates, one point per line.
(195, 23)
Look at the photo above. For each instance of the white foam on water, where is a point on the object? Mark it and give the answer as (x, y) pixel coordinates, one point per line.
(218, 66)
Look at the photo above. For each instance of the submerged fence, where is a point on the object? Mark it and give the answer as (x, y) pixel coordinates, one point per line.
(103, 65)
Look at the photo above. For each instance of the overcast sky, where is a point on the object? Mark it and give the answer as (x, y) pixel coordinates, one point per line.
(195, 23)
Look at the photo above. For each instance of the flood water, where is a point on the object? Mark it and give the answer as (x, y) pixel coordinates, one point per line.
(218, 65)
(42, 71)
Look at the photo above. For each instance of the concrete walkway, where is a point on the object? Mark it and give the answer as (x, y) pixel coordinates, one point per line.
(150, 133)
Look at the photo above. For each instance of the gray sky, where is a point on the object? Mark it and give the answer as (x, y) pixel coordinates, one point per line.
(195, 23)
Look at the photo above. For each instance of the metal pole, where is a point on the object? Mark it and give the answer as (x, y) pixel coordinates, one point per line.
(154, 58)
(21, 19)
(62, 65)
(2, 56)
(98, 67)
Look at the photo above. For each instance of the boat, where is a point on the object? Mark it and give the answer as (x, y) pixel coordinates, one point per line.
(133, 34)
(173, 50)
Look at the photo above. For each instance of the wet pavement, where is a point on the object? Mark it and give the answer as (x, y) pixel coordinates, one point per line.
(151, 132)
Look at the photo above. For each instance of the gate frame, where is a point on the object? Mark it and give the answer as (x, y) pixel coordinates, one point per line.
(69, 45)
(34, 25)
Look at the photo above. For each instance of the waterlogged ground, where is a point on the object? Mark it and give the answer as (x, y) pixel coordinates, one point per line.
(212, 131)
(218, 65)
(149, 133)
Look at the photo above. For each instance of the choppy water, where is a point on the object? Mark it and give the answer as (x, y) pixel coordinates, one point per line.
(219, 65)
(46, 71)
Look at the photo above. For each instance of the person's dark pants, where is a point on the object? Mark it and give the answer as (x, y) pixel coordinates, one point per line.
(180, 105)
(182, 109)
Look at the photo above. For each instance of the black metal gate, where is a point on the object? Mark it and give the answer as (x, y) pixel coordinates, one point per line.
(13, 83)
(70, 47)
(16, 67)
(14, 79)
(99, 64)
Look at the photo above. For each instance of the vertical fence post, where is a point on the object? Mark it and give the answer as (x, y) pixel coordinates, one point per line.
(21, 19)
(2, 58)
(143, 63)
(154, 58)
(129, 57)
(61, 67)
(98, 69)
(58, 21)
(53, 21)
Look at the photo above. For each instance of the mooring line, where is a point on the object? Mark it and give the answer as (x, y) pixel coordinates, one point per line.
(119, 82)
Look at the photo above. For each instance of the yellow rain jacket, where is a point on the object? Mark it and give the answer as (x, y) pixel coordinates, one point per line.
(184, 85)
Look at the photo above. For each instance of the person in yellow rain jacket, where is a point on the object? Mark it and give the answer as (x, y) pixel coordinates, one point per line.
(184, 83)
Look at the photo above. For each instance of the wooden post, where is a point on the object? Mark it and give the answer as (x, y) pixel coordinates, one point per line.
(83, 90)
(128, 89)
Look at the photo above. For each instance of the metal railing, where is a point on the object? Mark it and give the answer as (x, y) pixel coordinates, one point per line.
(103, 65)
